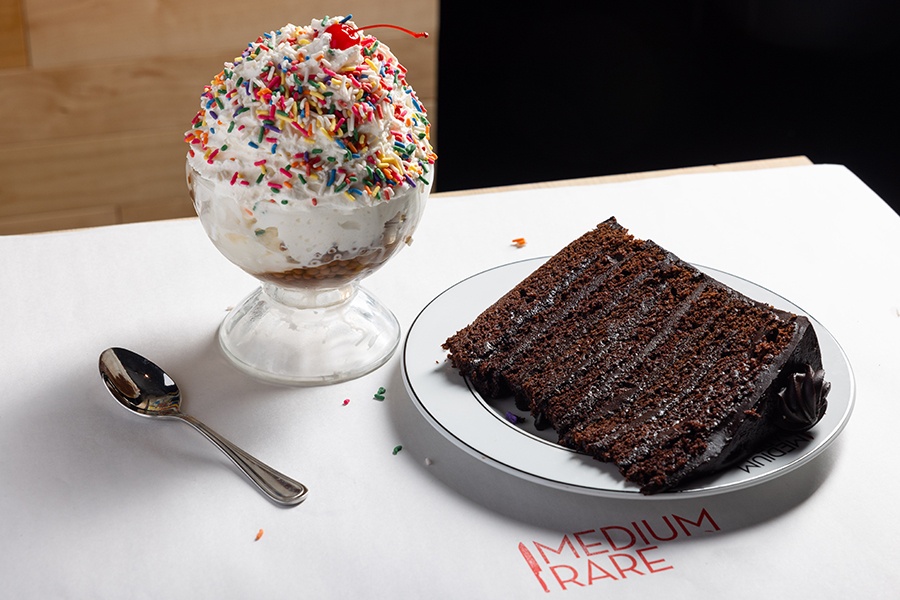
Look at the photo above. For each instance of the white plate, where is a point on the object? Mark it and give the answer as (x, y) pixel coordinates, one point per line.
(481, 427)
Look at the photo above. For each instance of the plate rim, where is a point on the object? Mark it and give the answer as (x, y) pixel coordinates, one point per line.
(692, 492)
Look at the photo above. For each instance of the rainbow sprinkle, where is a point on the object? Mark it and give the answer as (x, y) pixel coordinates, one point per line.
(514, 418)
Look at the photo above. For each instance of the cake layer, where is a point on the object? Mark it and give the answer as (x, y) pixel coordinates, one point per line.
(498, 334)
(637, 358)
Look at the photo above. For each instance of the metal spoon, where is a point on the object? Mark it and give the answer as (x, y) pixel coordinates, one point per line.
(144, 388)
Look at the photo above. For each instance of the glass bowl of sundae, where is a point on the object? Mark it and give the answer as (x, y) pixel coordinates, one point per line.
(309, 165)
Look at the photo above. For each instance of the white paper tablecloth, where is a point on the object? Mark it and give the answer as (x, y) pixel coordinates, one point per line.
(98, 503)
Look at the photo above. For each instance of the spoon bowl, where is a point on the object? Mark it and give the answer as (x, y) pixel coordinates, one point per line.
(138, 384)
(145, 389)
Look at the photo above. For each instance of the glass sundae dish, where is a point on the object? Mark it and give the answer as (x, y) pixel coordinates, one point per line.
(309, 165)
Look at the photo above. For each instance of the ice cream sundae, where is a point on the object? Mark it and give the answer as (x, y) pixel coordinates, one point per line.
(309, 160)
(310, 154)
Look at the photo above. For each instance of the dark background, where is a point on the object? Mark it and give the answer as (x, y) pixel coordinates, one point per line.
(556, 91)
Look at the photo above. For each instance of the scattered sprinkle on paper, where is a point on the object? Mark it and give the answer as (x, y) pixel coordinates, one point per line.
(379, 395)
(259, 534)
(345, 402)
(397, 449)
(519, 242)
(428, 462)
(514, 418)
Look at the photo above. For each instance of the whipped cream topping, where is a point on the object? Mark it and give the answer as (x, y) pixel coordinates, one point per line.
(296, 121)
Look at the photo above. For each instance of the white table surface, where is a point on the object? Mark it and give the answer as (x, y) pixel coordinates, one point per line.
(98, 503)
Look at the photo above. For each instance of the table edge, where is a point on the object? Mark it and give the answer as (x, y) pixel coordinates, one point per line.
(749, 165)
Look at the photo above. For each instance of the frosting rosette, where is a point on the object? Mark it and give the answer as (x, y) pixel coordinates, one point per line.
(297, 118)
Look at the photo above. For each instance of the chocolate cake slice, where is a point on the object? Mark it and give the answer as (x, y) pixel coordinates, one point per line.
(637, 358)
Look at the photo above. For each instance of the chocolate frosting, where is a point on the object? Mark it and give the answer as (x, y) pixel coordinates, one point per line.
(803, 400)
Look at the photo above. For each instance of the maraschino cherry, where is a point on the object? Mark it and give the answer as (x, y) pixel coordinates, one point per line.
(344, 36)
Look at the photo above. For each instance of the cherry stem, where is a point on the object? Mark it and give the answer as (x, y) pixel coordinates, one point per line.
(420, 34)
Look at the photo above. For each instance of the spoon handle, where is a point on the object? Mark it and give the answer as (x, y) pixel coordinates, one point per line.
(279, 487)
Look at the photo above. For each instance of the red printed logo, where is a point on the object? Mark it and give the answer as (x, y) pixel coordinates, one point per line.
(610, 553)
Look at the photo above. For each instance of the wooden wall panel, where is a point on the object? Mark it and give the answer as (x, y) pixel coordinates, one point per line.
(65, 32)
(95, 121)
(104, 170)
(75, 218)
(13, 49)
(83, 101)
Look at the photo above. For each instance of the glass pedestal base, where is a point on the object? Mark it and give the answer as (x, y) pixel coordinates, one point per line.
(309, 337)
